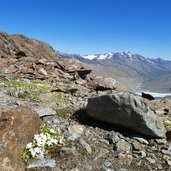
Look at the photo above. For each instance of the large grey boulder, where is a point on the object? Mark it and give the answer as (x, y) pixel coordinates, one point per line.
(126, 110)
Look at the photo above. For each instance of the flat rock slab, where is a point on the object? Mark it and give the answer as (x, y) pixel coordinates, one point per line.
(42, 163)
(17, 128)
(45, 111)
(127, 111)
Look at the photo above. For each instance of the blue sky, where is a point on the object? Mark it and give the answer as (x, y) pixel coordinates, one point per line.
(93, 26)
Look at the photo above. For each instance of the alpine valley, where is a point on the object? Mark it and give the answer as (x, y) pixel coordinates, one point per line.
(132, 71)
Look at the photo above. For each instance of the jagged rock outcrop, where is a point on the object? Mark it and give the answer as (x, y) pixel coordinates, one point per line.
(17, 128)
(126, 110)
(22, 46)
(75, 67)
(23, 57)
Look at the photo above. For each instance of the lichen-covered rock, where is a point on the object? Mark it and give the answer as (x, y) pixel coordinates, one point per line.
(126, 110)
(17, 128)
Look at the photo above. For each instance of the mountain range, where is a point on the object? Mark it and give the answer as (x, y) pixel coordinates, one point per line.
(132, 71)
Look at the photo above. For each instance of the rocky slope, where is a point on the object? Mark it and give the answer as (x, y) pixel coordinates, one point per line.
(132, 66)
(19, 45)
(45, 89)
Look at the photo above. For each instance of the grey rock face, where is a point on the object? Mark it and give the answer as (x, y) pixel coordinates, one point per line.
(126, 110)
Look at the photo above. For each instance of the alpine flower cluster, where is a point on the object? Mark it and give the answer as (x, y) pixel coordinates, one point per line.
(48, 138)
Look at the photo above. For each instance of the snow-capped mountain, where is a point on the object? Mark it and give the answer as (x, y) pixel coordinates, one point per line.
(130, 62)
(98, 56)
(127, 66)
(122, 56)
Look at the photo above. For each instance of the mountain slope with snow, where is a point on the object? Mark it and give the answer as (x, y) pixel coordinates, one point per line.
(132, 66)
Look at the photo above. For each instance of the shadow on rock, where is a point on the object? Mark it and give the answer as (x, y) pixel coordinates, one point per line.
(83, 118)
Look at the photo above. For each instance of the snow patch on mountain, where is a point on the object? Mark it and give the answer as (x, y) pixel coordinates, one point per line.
(90, 57)
(102, 56)
(107, 56)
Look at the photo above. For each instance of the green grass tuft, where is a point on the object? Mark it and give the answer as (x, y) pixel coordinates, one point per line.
(28, 89)
(59, 98)
(64, 112)
(167, 124)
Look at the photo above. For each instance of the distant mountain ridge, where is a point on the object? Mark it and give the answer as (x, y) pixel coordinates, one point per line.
(142, 69)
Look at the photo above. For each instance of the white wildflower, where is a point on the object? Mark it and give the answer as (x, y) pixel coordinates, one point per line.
(33, 153)
(37, 150)
(49, 143)
(29, 145)
(52, 130)
(59, 131)
(42, 141)
(61, 140)
(167, 122)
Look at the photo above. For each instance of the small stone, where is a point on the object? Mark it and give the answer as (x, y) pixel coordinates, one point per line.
(107, 169)
(85, 145)
(42, 71)
(107, 164)
(125, 159)
(100, 154)
(67, 150)
(161, 141)
(136, 146)
(1, 146)
(135, 155)
(159, 166)
(166, 152)
(45, 111)
(166, 157)
(165, 147)
(169, 162)
(149, 168)
(151, 160)
(104, 141)
(123, 169)
(138, 154)
(75, 169)
(122, 146)
(76, 129)
(142, 154)
(48, 119)
(80, 81)
(153, 145)
(112, 137)
(139, 163)
(141, 140)
(74, 136)
(42, 163)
